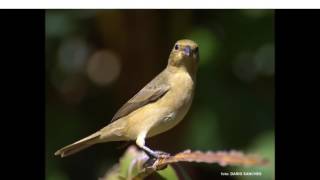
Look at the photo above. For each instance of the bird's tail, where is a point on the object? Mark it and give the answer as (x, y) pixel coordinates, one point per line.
(79, 145)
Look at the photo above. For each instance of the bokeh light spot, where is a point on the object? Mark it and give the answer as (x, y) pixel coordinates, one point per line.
(264, 60)
(58, 25)
(72, 55)
(103, 67)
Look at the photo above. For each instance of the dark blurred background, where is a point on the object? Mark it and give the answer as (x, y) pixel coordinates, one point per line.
(97, 59)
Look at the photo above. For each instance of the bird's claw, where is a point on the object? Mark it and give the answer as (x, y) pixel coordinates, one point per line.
(156, 155)
(161, 155)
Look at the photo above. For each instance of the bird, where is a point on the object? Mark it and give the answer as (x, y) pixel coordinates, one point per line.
(156, 108)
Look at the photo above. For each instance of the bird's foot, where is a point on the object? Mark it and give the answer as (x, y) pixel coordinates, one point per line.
(161, 154)
(156, 155)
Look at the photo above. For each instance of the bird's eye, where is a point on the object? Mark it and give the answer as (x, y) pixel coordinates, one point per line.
(176, 47)
(196, 50)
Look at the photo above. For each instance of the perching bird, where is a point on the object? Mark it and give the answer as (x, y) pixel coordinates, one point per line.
(156, 108)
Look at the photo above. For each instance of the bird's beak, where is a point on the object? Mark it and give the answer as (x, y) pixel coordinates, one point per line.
(187, 51)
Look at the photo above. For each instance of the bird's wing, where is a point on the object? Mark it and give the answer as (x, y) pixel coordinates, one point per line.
(153, 91)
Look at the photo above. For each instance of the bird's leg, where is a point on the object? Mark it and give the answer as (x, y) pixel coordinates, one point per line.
(155, 154)
(149, 152)
(141, 144)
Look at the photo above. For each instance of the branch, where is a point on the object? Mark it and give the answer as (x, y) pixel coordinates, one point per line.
(136, 165)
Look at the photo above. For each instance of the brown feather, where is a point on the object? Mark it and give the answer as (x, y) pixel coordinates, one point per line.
(78, 146)
(150, 93)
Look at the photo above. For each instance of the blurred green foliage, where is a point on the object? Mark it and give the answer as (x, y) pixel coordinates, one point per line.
(97, 59)
(131, 167)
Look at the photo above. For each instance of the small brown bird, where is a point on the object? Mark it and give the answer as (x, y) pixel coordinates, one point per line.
(156, 108)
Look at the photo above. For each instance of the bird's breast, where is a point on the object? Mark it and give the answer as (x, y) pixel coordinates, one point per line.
(175, 104)
(181, 92)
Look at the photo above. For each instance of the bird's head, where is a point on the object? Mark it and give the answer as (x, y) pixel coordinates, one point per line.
(185, 54)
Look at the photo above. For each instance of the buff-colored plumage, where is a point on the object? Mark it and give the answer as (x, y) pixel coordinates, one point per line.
(156, 108)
